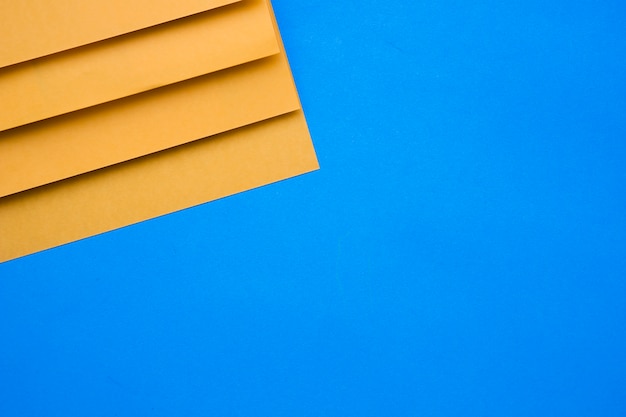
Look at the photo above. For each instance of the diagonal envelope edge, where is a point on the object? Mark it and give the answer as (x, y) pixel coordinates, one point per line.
(158, 184)
(45, 152)
(135, 63)
(91, 21)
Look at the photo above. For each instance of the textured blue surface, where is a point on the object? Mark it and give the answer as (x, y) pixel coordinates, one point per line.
(460, 253)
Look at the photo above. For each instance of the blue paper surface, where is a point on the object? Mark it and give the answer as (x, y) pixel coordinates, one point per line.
(461, 252)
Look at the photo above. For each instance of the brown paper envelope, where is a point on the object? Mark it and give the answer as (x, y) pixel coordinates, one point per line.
(75, 143)
(154, 185)
(134, 63)
(34, 28)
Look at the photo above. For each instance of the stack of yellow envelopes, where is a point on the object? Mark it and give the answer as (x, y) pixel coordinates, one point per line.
(114, 112)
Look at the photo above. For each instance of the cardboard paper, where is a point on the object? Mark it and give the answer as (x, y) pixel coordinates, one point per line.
(135, 63)
(34, 28)
(97, 137)
(154, 185)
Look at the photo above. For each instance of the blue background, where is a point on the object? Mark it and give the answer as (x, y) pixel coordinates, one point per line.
(460, 253)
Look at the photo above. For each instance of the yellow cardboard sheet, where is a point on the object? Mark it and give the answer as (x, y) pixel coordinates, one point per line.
(154, 185)
(136, 62)
(159, 183)
(34, 28)
(59, 148)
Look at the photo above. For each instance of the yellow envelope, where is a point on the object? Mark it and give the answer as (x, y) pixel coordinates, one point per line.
(156, 184)
(34, 28)
(134, 63)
